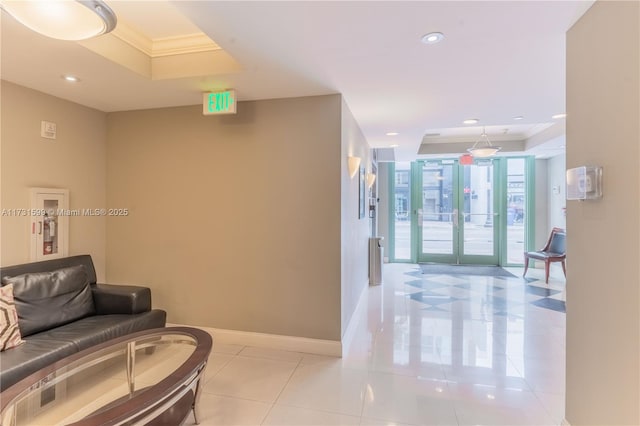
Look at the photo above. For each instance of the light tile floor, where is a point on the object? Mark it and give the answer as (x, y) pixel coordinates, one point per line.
(445, 350)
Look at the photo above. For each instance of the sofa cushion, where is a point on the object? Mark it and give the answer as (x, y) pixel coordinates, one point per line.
(9, 331)
(38, 351)
(97, 329)
(47, 347)
(48, 299)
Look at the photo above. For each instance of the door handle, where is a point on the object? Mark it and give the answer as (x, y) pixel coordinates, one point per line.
(420, 217)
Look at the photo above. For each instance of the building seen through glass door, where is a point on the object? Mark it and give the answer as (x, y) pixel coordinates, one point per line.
(445, 212)
(402, 211)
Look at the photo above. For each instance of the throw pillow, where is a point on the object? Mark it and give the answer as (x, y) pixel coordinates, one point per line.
(48, 299)
(9, 330)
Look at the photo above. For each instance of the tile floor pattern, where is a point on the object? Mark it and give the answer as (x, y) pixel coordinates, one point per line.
(443, 350)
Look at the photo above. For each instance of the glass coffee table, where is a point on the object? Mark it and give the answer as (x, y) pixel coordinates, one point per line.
(152, 377)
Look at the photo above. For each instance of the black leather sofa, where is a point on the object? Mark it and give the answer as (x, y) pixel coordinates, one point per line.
(54, 327)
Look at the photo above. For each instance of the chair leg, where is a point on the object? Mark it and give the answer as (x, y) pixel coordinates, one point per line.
(546, 271)
(526, 266)
(564, 269)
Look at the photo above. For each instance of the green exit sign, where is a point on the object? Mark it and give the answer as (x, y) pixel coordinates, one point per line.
(219, 102)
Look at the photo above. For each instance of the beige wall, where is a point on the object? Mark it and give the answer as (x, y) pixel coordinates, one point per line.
(234, 220)
(355, 231)
(603, 277)
(75, 161)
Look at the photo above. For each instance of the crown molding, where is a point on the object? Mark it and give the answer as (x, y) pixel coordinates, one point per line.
(178, 45)
(154, 48)
(134, 38)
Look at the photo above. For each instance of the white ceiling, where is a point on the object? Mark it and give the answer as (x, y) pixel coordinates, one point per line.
(498, 60)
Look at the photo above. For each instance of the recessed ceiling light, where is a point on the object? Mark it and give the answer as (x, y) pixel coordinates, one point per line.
(518, 117)
(395, 145)
(71, 78)
(392, 133)
(432, 38)
(557, 116)
(470, 121)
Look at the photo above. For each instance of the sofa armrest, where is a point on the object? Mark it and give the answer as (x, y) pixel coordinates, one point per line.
(120, 299)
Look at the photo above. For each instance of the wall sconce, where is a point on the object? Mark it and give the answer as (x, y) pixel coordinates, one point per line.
(354, 164)
(371, 178)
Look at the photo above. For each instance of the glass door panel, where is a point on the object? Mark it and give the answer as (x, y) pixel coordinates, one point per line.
(457, 215)
(402, 213)
(516, 211)
(478, 232)
(438, 216)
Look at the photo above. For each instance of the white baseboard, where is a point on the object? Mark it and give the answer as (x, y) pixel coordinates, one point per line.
(272, 341)
(350, 332)
(290, 343)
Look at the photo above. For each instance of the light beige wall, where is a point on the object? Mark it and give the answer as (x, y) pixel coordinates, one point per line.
(603, 252)
(74, 160)
(234, 220)
(355, 231)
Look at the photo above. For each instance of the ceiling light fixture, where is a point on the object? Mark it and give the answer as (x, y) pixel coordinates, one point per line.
(432, 38)
(518, 117)
(470, 121)
(483, 148)
(63, 19)
(392, 133)
(71, 78)
(557, 116)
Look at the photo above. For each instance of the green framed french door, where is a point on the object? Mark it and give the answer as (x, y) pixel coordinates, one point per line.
(457, 217)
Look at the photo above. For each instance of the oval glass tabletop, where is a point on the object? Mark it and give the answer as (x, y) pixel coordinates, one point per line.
(149, 377)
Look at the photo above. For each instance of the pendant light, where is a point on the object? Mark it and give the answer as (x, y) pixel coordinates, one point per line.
(483, 148)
